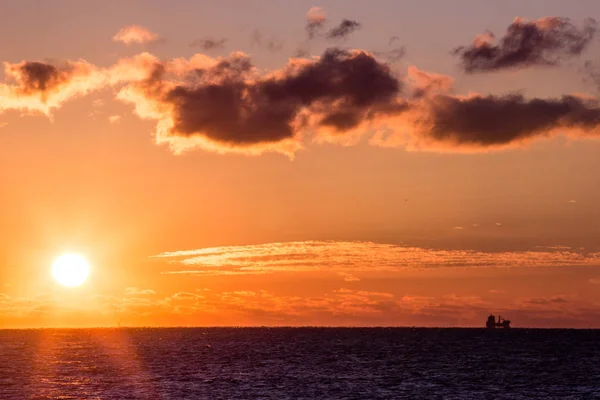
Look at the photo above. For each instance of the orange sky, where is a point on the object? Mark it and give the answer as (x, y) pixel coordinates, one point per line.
(221, 167)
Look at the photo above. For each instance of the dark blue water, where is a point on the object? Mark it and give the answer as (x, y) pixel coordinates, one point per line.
(299, 363)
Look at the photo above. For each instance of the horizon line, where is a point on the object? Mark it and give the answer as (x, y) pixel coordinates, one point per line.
(285, 327)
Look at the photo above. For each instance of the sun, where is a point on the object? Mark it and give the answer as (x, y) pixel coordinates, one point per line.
(70, 270)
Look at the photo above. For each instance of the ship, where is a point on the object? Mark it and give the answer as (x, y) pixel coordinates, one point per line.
(491, 322)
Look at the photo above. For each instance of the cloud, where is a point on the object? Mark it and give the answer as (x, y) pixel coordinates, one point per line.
(345, 28)
(546, 41)
(425, 83)
(315, 21)
(140, 67)
(226, 105)
(186, 296)
(209, 43)
(44, 86)
(555, 247)
(113, 119)
(349, 277)
(350, 258)
(591, 73)
(133, 291)
(37, 86)
(482, 122)
(135, 34)
(542, 301)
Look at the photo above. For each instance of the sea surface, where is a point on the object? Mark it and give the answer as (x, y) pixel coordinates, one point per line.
(299, 363)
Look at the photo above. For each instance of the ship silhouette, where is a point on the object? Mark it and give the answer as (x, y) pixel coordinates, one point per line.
(501, 323)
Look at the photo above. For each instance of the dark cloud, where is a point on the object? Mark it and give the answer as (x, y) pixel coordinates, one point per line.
(209, 43)
(231, 106)
(39, 77)
(546, 41)
(485, 121)
(42, 86)
(345, 28)
(315, 22)
(228, 104)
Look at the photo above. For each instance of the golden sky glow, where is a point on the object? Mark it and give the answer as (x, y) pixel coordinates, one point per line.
(306, 165)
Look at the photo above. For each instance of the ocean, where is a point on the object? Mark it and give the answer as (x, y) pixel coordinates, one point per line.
(299, 363)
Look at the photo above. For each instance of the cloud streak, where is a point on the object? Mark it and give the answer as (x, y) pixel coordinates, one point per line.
(543, 42)
(133, 291)
(352, 259)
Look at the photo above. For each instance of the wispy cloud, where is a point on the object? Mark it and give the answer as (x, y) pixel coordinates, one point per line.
(133, 291)
(344, 29)
(271, 44)
(135, 34)
(350, 258)
(349, 277)
(209, 44)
